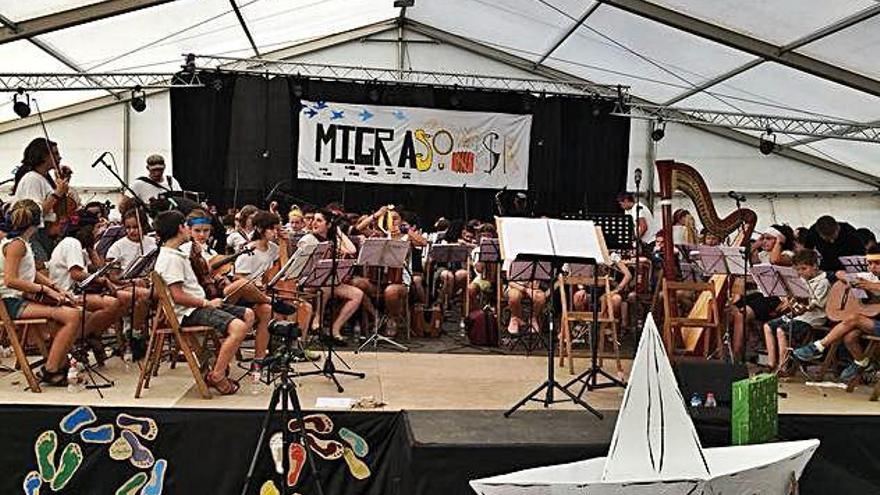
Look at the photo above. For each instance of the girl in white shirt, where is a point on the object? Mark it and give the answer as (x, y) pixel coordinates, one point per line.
(126, 251)
(21, 286)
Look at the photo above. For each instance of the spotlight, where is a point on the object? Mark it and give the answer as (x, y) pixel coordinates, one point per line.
(403, 3)
(189, 64)
(22, 107)
(138, 99)
(767, 144)
(659, 130)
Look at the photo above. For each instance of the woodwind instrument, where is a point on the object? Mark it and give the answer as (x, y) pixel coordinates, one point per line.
(675, 176)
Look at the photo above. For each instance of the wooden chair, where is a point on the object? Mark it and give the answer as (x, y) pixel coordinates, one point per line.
(606, 318)
(872, 351)
(10, 328)
(675, 326)
(166, 324)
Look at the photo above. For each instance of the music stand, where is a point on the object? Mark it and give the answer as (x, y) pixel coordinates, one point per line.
(81, 351)
(108, 237)
(324, 274)
(382, 253)
(556, 242)
(722, 260)
(782, 282)
(448, 254)
(854, 264)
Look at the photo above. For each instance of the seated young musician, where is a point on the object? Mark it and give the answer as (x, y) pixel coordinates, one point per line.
(125, 251)
(453, 277)
(190, 304)
(69, 265)
(777, 248)
(853, 327)
(350, 295)
(24, 289)
(621, 276)
(484, 274)
(243, 229)
(776, 331)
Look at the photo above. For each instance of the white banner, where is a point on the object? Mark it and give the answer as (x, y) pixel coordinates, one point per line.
(419, 146)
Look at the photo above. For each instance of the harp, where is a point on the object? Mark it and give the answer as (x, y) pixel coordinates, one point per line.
(674, 176)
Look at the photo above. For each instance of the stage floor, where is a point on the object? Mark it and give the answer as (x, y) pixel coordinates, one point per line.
(404, 381)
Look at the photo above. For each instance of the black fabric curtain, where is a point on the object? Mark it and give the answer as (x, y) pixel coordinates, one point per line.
(237, 138)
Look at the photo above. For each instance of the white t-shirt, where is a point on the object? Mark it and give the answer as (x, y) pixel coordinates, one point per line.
(174, 267)
(126, 251)
(67, 254)
(207, 252)
(27, 268)
(645, 213)
(147, 191)
(36, 187)
(258, 261)
(236, 240)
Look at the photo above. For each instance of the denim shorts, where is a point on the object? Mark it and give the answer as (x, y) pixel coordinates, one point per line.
(218, 318)
(798, 328)
(14, 306)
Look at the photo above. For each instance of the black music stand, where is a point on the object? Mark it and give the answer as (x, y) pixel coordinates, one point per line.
(854, 264)
(447, 254)
(323, 275)
(553, 242)
(617, 229)
(382, 253)
(782, 282)
(80, 350)
(140, 268)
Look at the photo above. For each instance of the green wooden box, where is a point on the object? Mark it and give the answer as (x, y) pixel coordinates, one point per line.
(754, 416)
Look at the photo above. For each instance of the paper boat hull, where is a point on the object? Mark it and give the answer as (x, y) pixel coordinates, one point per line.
(749, 469)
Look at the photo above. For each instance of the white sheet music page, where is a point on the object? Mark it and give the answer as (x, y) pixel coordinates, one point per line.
(577, 239)
(518, 236)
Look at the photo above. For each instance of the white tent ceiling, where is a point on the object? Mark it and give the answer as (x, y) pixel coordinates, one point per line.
(695, 53)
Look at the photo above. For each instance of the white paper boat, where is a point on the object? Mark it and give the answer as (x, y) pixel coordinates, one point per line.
(655, 449)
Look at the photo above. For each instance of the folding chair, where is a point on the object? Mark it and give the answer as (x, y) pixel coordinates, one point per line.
(606, 318)
(871, 352)
(10, 328)
(185, 338)
(674, 325)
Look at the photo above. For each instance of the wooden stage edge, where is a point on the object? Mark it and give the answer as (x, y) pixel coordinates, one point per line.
(403, 381)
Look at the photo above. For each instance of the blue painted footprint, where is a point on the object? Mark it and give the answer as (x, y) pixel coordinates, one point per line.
(357, 443)
(32, 483)
(98, 434)
(76, 419)
(141, 457)
(157, 479)
(144, 427)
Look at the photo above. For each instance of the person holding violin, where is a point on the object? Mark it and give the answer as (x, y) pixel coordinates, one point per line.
(68, 266)
(244, 228)
(124, 252)
(28, 293)
(190, 303)
(352, 296)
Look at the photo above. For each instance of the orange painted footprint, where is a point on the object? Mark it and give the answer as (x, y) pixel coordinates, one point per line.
(297, 463)
(358, 468)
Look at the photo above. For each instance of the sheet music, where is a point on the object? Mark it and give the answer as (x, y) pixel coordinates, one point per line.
(854, 291)
(780, 281)
(577, 239)
(523, 236)
(796, 285)
(854, 264)
(734, 257)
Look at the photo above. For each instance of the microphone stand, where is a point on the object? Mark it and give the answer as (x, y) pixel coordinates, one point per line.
(638, 269)
(747, 256)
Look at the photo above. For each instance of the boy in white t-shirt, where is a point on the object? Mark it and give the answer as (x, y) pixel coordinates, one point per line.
(189, 301)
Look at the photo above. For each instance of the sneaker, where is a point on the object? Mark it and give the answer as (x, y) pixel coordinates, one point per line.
(854, 369)
(808, 353)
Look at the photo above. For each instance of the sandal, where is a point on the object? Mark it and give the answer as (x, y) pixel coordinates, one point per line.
(97, 347)
(53, 378)
(224, 386)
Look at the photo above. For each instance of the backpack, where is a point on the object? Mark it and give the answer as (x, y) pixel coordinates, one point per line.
(481, 327)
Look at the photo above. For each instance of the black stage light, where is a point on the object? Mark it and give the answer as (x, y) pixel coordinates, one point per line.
(767, 144)
(659, 130)
(21, 107)
(138, 99)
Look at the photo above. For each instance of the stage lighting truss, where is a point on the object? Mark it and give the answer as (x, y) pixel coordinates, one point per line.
(106, 81)
(818, 128)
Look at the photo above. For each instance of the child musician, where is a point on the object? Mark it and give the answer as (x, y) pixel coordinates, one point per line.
(806, 262)
(190, 304)
(22, 288)
(125, 251)
(853, 327)
(68, 266)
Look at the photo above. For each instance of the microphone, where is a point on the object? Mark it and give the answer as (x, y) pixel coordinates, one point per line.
(637, 175)
(100, 159)
(271, 194)
(736, 197)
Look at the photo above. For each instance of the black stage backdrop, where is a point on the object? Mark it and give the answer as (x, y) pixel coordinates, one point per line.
(242, 130)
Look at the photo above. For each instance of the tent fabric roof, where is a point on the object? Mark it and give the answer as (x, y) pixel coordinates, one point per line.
(804, 58)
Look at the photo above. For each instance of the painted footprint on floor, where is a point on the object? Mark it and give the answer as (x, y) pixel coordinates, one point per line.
(69, 462)
(358, 468)
(141, 457)
(357, 443)
(317, 423)
(327, 449)
(98, 434)
(120, 449)
(157, 479)
(276, 447)
(76, 419)
(144, 427)
(44, 448)
(297, 462)
(269, 488)
(132, 485)
(32, 483)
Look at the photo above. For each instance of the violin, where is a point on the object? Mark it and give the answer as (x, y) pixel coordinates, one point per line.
(221, 266)
(203, 272)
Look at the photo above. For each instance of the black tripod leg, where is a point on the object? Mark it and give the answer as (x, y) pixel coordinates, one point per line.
(577, 400)
(298, 413)
(273, 403)
(527, 398)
